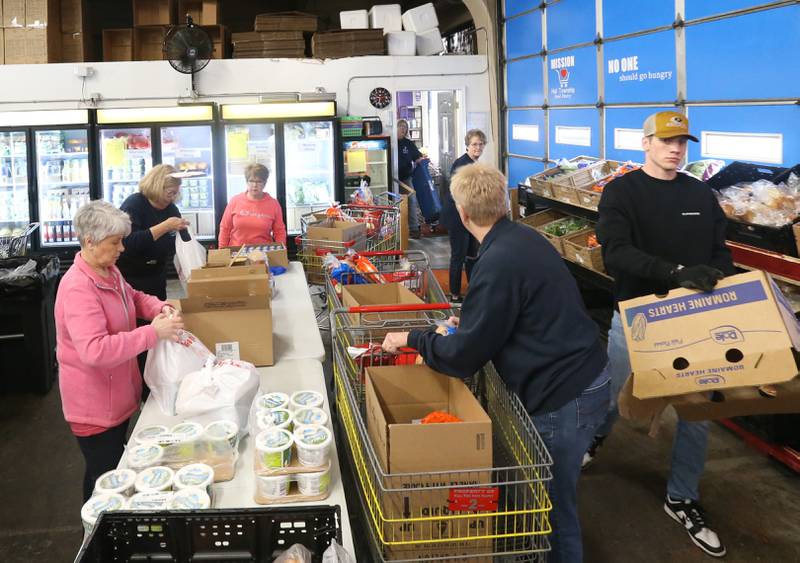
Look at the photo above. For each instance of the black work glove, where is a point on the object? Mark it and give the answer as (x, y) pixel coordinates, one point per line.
(700, 277)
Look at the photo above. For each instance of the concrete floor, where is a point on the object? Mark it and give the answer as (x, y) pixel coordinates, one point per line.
(753, 501)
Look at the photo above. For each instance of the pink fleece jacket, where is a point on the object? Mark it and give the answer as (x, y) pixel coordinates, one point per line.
(97, 343)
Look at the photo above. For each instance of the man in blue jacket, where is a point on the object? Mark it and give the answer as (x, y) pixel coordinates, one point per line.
(524, 313)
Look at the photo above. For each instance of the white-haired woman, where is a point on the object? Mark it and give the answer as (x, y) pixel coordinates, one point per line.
(97, 339)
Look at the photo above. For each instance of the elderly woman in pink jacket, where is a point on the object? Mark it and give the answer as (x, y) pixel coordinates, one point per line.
(97, 340)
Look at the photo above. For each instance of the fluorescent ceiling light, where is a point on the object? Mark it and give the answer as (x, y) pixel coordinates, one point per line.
(155, 115)
(279, 110)
(33, 118)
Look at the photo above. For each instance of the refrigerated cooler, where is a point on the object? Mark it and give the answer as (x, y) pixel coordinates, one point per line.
(132, 141)
(14, 206)
(296, 142)
(369, 160)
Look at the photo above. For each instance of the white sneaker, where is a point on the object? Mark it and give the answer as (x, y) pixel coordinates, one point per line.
(691, 516)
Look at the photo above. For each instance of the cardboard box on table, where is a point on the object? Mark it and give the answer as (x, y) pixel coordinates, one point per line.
(444, 454)
(229, 310)
(731, 341)
(276, 256)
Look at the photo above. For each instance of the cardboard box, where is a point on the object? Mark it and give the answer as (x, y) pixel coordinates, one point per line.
(576, 249)
(228, 309)
(387, 17)
(347, 43)
(441, 454)
(2, 46)
(43, 13)
(13, 13)
(286, 21)
(401, 43)
(31, 45)
(154, 12)
(744, 333)
(338, 232)
(75, 48)
(429, 42)
(354, 19)
(118, 44)
(203, 12)
(148, 43)
(73, 16)
(420, 19)
(276, 255)
(379, 294)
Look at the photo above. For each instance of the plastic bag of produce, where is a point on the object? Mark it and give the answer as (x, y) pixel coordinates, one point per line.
(337, 554)
(168, 363)
(298, 553)
(189, 255)
(221, 390)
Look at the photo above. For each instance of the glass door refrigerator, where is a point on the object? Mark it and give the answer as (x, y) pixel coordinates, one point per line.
(14, 183)
(297, 142)
(133, 140)
(367, 159)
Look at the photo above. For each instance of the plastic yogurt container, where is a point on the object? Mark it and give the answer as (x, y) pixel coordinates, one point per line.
(190, 499)
(120, 481)
(149, 434)
(313, 484)
(274, 448)
(223, 430)
(273, 400)
(144, 455)
(310, 415)
(302, 399)
(273, 487)
(276, 418)
(104, 502)
(150, 500)
(188, 431)
(313, 445)
(155, 479)
(195, 476)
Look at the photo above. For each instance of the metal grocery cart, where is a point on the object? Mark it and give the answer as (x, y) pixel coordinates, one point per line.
(413, 515)
(410, 268)
(382, 233)
(16, 245)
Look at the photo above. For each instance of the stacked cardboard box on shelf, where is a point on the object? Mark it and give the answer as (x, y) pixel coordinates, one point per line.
(31, 31)
(286, 21)
(75, 36)
(203, 12)
(265, 44)
(347, 43)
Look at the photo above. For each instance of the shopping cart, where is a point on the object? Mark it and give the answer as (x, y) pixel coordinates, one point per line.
(410, 268)
(16, 245)
(382, 233)
(412, 516)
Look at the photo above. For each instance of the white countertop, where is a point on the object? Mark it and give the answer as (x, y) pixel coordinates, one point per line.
(295, 334)
(287, 376)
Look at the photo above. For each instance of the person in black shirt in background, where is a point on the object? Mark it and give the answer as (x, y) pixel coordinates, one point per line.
(408, 156)
(524, 313)
(660, 229)
(463, 246)
(155, 219)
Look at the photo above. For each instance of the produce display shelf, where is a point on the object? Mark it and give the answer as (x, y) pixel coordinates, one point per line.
(785, 455)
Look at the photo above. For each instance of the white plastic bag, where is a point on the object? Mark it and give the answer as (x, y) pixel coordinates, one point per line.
(168, 363)
(337, 554)
(222, 389)
(189, 256)
(298, 553)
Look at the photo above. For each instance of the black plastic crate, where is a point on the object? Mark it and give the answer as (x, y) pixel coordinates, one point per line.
(778, 429)
(777, 239)
(245, 534)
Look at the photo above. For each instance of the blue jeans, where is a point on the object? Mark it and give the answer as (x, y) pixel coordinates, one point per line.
(691, 438)
(413, 209)
(567, 433)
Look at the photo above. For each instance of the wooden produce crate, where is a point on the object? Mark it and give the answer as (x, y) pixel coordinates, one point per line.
(558, 241)
(542, 183)
(565, 193)
(576, 249)
(588, 198)
(590, 175)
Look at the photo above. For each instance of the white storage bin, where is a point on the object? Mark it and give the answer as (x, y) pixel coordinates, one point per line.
(429, 42)
(387, 17)
(419, 19)
(354, 19)
(401, 43)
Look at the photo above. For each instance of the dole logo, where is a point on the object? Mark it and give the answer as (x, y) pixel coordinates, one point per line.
(726, 334)
(710, 380)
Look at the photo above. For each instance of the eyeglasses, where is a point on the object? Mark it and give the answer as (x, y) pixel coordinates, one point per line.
(256, 183)
(477, 144)
(171, 193)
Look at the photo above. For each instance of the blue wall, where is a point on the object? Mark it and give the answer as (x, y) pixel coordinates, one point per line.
(737, 59)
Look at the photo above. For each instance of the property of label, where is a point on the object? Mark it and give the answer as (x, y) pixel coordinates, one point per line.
(228, 350)
(474, 499)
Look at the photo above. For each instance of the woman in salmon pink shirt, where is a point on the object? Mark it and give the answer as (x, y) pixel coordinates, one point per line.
(253, 217)
(97, 340)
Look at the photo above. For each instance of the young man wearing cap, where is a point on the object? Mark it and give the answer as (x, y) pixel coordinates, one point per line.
(523, 311)
(661, 229)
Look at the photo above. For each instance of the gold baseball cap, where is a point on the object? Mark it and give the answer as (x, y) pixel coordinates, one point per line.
(668, 124)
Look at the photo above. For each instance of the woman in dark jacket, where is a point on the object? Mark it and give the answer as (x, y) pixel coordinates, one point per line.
(463, 246)
(155, 219)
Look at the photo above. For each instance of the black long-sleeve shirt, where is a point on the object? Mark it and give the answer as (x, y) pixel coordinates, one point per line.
(407, 153)
(523, 312)
(143, 263)
(649, 226)
(449, 211)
